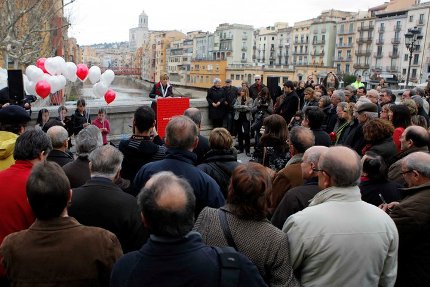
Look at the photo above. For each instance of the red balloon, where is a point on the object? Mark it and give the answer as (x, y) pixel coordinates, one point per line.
(82, 71)
(110, 96)
(41, 64)
(43, 88)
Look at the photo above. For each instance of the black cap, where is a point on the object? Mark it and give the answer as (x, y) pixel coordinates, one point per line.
(14, 114)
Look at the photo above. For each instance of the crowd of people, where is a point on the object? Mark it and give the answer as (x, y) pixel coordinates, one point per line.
(337, 192)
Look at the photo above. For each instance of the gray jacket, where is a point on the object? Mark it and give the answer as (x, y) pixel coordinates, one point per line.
(340, 240)
(238, 107)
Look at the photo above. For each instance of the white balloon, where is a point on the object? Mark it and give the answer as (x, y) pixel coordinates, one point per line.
(62, 82)
(52, 80)
(50, 66)
(34, 73)
(31, 88)
(70, 71)
(94, 74)
(107, 77)
(100, 89)
(59, 65)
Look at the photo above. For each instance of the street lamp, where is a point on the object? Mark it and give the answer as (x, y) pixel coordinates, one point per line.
(412, 38)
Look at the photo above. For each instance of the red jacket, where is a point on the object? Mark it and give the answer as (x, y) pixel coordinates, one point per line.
(15, 212)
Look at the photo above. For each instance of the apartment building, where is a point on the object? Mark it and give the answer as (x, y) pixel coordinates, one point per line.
(233, 43)
(203, 72)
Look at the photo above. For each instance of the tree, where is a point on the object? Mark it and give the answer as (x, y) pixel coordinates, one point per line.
(30, 29)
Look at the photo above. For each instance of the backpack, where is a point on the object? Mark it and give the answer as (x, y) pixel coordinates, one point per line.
(230, 266)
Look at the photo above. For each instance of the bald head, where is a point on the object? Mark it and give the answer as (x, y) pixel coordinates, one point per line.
(313, 154)
(418, 161)
(342, 164)
(301, 138)
(167, 203)
(181, 133)
(195, 115)
(414, 136)
(58, 136)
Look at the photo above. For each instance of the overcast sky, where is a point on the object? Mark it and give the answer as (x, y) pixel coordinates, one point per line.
(98, 21)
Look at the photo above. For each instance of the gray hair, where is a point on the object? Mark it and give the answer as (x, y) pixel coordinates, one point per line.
(342, 164)
(181, 132)
(418, 100)
(58, 136)
(194, 114)
(420, 91)
(313, 154)
(173, 218)
(371, 115)
(340, 94)
(418, 161)
(105, 161)
(216, 80)
(301, 138)
(87, 140)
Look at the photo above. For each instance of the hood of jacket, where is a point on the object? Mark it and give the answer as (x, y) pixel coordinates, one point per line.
(7, 144)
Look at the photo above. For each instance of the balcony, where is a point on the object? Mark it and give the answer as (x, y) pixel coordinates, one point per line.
(244, 49)
(365, 27)
(415, 64)
(364, 53)
(381, 29)
(361, 66)
(244, 37)
(380, 42)
(397, 28)
(342, 59)
(394, 55)
(395, 41)
(363, 40)
(243, 60)
(377, 69)
(317, 53)
(345, 32)
(392, 69)
(300, 53)
(318, 42)
(379, 56)
(420, 22)
(343, 45)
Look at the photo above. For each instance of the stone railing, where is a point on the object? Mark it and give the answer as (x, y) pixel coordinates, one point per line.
(120, 116)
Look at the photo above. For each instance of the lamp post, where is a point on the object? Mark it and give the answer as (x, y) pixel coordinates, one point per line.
(412, 38)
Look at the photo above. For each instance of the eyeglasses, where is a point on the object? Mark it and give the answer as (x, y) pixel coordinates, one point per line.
(258, 79)
(320, 170)
(405, 172)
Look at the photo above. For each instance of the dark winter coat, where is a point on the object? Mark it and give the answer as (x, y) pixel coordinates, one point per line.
(79, 120)
(219, 164)
(157, 91)
(288, 107)
(216, 95)
(100, 203)
(412, 218)
(370, 190)
(181, 163)
(295, 200)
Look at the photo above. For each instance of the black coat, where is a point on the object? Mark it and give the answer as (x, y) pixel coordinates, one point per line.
(201, 149)
(79, 120)
(385, 148)
(254, 90)
(99, 202)
(355, 139)
(370, 190)
(216, 95)
(321, 137)
(230, 95)
(295, 200)
(59, 157)
(219, 164)
(288, 108)
(137, 152)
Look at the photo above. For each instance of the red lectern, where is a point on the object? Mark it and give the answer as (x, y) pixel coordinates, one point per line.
(167, 108)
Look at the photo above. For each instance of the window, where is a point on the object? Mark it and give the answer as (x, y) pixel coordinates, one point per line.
(273, 38)
(349, 41)
(428, 69)
(237, 77)
(232, 76)
(348, 54)
(340, 42)
(404, 71)
(421, 20)
(347, 69)
(414, 73)
(323, 38)
(338, 68)
(351, 27)
(339, 54)
(406, 57)
(379, 51)
(416, 57)
(411, 18)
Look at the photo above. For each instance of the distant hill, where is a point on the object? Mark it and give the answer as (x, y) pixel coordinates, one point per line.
(114, 45)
